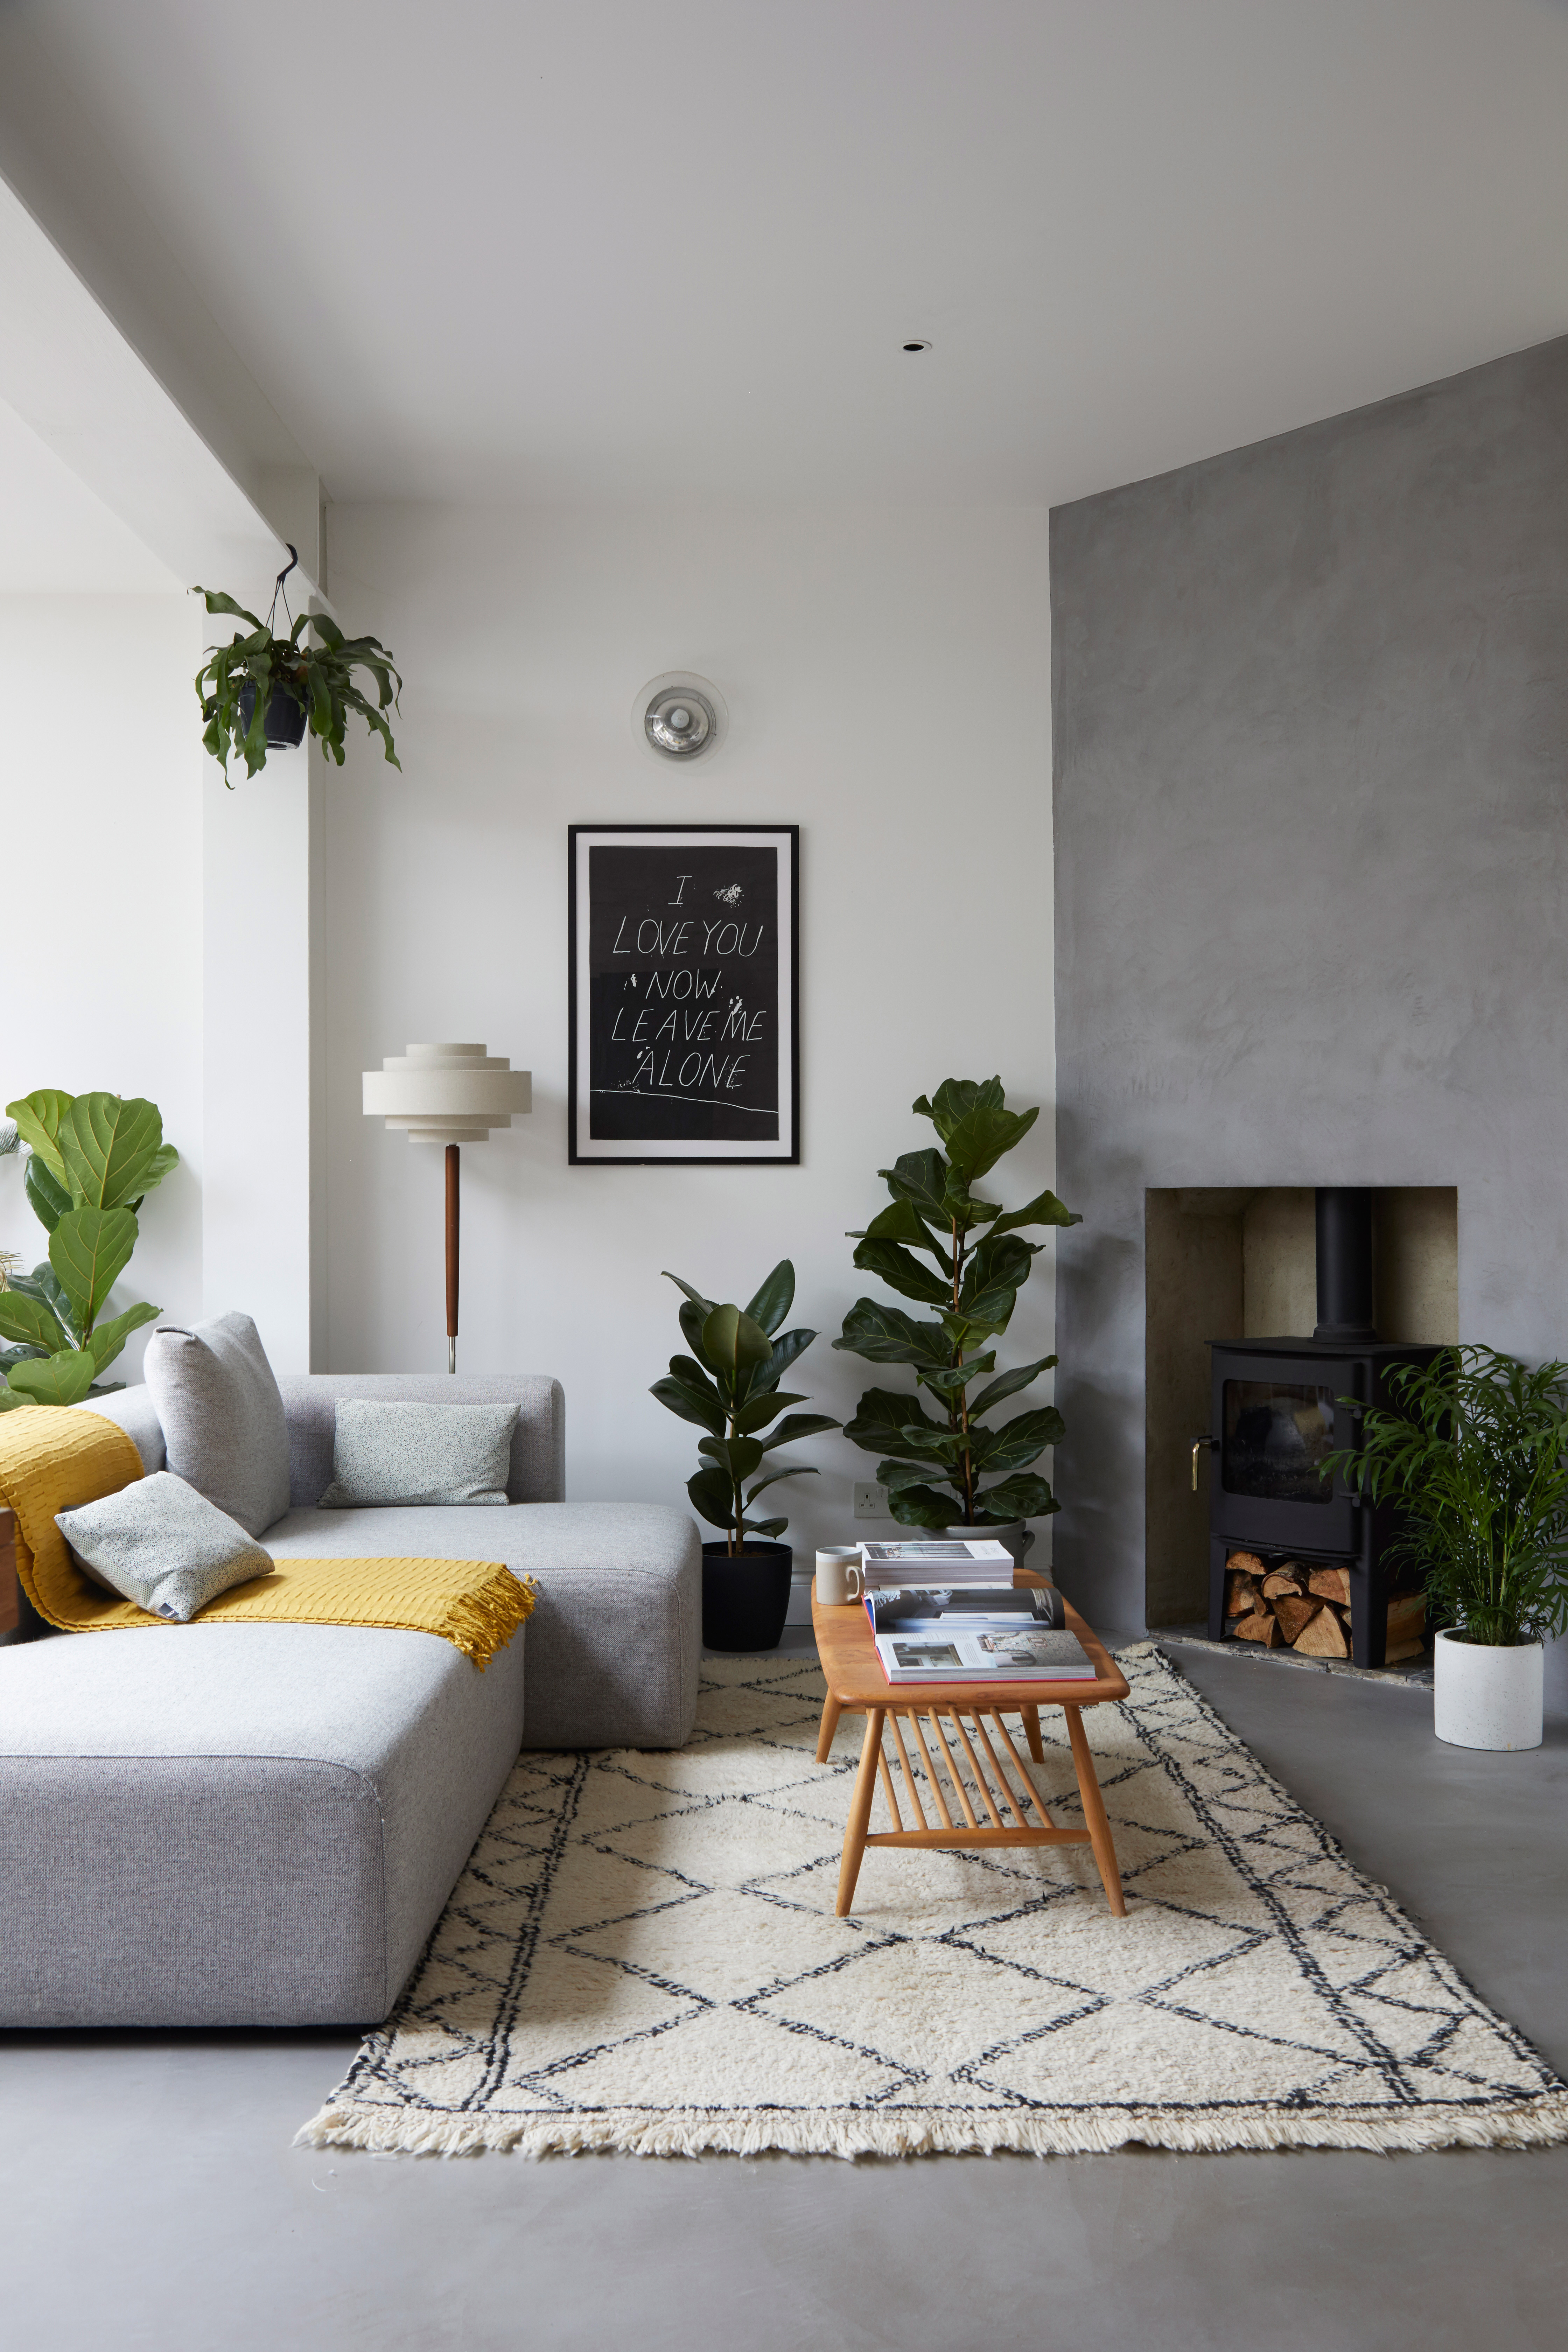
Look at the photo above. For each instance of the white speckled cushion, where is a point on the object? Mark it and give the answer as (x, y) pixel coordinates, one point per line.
(161, 1544)
(401, 1454)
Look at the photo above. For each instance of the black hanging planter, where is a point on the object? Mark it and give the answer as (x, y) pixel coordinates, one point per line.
(285, 717)
(745, 1599)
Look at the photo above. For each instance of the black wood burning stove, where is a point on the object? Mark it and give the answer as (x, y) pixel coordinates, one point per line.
(1278, 1414)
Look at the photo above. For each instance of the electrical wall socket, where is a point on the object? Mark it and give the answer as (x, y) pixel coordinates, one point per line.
(870, 1500)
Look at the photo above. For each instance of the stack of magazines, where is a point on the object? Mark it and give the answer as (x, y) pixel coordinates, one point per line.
(975, 1634)
(946, 1559)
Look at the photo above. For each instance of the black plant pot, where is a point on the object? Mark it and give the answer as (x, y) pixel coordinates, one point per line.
(745, 1600)
(285, 717)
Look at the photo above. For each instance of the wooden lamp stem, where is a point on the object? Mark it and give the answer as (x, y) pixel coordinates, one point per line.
(452, 1258)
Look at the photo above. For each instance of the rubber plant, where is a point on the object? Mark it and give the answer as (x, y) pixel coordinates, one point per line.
(934, 1467)
(1475, 1456)
(729, 1385)
(94, 1159)
(237, 685)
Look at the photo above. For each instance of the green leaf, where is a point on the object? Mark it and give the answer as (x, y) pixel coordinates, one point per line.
(108, 1147)
(681, 1397)
(1022, 1496)
(164, 1161)
(1008, 1385)
(44, 1282)
(919, 1178)
(975, 1128)
(881, 1419)
(800, 1470)
(110, 1337)
(738, 1457)
(29, 1321)
(758, 1411)
(950, 1380)
(38, 1116)
(929, 1445)
(902, 1273)
(691, 1321)
(786, 1348)
(735, 1347)
(12, 1399)
(1019, 1441)
(896, 1475)
(217, 602)
(999, 1262)
(20, 1355)
(796, 1425)
(924, 1506)
(48, 1200)
(885, 1335)
(902, 1222)
(89, 1249)
(713, 1498)
(1045, 1209)
(775, 1299)
(64, 1377)
(770, 1528)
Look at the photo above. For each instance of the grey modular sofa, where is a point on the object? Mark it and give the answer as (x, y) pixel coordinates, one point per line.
(206, 1825)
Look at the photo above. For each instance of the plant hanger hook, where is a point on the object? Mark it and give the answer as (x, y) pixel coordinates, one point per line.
(278, 589)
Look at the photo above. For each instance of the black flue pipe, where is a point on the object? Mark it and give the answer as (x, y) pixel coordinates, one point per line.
(1344, 1265)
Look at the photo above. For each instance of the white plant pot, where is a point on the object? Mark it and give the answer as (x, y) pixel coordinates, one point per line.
(1488, 1697)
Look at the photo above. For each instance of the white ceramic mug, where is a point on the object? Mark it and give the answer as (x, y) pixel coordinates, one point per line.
(839, 1575)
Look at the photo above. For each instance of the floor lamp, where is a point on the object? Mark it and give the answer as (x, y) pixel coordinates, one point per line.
(451, 1095)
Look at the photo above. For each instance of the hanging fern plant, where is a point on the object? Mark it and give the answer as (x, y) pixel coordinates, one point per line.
(261, 692)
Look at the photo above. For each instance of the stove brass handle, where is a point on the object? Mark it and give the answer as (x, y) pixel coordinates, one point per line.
(1198, 1445)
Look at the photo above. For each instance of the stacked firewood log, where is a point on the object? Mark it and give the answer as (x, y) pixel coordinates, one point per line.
(1294, 1606)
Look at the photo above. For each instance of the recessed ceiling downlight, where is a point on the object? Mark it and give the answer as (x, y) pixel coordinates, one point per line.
(916, 346)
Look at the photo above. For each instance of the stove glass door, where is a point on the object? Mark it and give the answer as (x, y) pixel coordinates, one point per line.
(1276, 1437)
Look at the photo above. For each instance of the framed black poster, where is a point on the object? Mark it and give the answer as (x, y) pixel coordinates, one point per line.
(685, 1014)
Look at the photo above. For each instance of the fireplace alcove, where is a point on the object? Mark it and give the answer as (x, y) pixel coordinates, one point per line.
(1240, 1263)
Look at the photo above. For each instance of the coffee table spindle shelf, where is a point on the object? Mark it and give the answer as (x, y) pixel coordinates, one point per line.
(935, 1716)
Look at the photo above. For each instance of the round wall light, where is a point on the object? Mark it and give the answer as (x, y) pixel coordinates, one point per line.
(680, 717)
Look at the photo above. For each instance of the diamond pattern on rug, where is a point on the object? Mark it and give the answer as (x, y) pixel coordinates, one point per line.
(643, 1954)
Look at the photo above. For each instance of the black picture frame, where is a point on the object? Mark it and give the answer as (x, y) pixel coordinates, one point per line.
(663, 1125)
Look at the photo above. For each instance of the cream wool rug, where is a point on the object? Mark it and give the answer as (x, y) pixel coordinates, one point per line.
(643, 1954)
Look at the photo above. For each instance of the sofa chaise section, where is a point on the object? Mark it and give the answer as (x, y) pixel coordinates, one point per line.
(237, 1824)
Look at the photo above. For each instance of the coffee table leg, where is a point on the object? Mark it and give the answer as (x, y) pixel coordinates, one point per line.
(830, 1714)
(861, 1809)
(1032, 1727)
(1094, 1813)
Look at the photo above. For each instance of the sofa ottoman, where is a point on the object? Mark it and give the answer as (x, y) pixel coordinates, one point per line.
(237, 1824)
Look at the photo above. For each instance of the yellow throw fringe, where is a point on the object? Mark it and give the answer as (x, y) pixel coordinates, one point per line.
(53, 1458)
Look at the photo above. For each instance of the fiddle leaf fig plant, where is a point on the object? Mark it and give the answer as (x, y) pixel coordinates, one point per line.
(236, 683)
(95, 1158)
(935, 1466)
(729, 1385)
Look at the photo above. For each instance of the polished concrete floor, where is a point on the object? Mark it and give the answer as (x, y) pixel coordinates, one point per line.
(151, 2197)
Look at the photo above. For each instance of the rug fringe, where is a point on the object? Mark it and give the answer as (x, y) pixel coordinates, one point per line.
(1533, 2123)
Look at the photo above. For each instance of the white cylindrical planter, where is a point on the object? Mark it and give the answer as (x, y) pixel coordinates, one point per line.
(1488, 1697)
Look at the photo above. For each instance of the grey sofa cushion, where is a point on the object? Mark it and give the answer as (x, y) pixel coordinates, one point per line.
(222, 1416)
(132, 1410)
(236, 1824)
(537, 1474)
(614, 1641)
(161, 1544)
(386, 1454)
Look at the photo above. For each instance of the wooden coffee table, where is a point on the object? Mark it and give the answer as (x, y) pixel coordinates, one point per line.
(856, 1682)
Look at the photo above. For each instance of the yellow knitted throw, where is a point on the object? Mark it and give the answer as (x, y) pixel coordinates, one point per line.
(53, 1458)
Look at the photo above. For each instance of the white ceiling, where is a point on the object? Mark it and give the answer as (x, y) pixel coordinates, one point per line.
(655, 248)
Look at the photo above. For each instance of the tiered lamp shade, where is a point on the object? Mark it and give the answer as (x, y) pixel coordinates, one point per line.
(447, 1094)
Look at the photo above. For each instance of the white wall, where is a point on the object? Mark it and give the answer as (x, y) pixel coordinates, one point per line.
(888, 678)
(101, 897)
